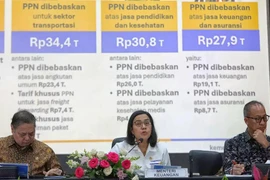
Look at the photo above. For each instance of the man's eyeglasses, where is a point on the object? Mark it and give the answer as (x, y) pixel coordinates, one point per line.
(140, 123)
(259, 119)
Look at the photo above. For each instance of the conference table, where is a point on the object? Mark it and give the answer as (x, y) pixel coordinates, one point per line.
(196, 178)
(183, 178)
(191, 178)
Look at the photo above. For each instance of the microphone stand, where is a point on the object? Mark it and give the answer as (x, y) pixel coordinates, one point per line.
(136, 144)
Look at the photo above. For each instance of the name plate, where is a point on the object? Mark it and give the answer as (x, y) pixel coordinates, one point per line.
(166, 173)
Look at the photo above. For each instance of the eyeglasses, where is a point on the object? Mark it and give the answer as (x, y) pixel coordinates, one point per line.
(259, 119)
(140, 123)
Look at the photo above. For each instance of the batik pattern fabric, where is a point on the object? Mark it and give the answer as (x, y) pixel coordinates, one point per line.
(243, 149)
(39, 156)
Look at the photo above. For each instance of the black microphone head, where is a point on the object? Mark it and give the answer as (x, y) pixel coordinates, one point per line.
(140, 140)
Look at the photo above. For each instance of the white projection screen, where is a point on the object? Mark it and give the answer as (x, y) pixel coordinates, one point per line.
(82, 67)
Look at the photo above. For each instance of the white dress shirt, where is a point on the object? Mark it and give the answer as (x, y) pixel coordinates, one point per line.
(158, 154)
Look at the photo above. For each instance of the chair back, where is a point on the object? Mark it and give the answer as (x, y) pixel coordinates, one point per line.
(117, 140)
(206, 163)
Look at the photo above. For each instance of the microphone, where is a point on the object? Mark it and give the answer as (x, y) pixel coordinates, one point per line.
(136, 144)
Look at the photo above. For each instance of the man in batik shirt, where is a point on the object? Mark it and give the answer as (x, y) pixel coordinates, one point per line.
(22, 147)
(250, 147)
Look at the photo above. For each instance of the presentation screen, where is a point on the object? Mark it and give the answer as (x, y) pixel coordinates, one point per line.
(82, 67)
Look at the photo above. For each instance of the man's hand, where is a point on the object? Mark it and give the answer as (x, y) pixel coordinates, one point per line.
(238, 169)
(53, 172)
(260, 137)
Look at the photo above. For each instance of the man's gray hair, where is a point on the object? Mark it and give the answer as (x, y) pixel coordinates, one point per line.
(248, 106)
(23, 117)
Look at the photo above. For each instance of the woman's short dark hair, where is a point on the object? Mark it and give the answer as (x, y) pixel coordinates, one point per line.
(23, 117)
(130, 137)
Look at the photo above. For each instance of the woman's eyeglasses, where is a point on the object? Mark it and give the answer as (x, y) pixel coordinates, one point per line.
(140, 123)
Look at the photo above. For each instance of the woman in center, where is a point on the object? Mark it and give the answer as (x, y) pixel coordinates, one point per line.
(142, 134)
